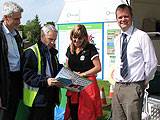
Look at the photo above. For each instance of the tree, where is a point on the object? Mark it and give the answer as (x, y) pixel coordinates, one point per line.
(32, 30)
(20, 29)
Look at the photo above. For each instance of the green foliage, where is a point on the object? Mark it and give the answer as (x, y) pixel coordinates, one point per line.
(105, 84)
(32, 30)
(20, 29)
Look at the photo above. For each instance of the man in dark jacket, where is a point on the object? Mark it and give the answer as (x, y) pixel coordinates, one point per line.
(10, 54)
(40, 66)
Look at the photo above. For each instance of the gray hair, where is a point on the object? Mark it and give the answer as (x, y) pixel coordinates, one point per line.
(11, 7)
(45, 29)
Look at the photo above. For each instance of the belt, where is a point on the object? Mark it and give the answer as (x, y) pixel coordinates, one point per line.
(128, 83)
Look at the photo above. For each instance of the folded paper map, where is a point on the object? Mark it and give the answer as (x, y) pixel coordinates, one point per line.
(71, 80)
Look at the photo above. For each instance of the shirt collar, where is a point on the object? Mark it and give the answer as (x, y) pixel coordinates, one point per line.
(129, 31)
(7, 31)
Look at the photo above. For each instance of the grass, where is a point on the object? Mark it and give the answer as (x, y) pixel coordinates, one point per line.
(105, 85)
(106, 108)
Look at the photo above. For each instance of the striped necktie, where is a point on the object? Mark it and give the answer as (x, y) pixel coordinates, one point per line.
(124, 69)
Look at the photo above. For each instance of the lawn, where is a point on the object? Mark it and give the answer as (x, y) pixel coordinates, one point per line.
(107, 107)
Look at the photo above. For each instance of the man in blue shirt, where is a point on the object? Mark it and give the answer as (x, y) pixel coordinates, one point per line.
(11, 82)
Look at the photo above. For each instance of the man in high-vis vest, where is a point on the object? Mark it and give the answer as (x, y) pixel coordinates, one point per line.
(40, 66)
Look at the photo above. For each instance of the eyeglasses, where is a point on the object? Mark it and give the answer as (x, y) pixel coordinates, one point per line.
(77, 39)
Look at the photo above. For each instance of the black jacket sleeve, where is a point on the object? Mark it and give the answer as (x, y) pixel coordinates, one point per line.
(30, 70)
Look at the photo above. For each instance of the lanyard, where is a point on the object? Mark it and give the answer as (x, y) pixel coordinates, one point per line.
(127, 40)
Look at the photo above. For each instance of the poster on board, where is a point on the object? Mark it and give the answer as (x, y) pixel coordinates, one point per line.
(111, 30)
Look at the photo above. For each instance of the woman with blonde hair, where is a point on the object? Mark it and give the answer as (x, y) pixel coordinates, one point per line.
(83, 58)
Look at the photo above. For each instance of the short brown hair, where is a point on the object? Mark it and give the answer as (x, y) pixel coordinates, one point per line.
(124, 6)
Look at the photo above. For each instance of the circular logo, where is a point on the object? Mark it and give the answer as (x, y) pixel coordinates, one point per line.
(82, 57)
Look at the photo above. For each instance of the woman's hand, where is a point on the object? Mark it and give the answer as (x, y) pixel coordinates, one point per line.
(83, 74)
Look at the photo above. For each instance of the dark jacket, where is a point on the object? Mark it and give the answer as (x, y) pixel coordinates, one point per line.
(4, 66)
(46, 95)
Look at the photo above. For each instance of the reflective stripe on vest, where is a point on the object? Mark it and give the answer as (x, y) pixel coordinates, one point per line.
(29, 93)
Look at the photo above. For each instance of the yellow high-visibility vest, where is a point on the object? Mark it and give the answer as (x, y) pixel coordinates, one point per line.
(29, 93)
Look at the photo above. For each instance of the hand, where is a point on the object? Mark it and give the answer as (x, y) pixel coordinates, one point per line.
(56, 83)
(77, 73)
(81, 74)
(146, 84)
(49, 81)
(112, 74)
(53, 82)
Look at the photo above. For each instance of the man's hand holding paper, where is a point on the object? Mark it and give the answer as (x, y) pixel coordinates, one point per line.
(54, 82)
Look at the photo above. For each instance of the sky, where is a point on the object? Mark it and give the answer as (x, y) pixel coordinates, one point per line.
(47, 10)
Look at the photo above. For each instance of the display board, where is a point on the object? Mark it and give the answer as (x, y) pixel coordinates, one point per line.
(102, 34)
(111, 30)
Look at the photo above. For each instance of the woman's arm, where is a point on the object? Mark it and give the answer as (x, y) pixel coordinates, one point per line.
(95, 69)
